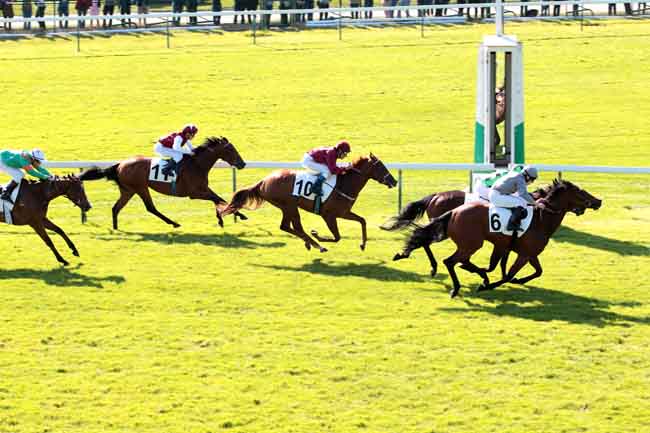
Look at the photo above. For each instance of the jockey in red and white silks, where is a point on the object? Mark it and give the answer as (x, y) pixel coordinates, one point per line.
(322, 161)
(171, 146)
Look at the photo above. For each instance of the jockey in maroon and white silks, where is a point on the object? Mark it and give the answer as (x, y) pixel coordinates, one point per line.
(171, 146)
(322, 160)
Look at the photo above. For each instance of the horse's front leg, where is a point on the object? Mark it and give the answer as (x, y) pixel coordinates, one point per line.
(334, 228)
(51, 226)
(40, 229)
(534, 262)
(516, 266)
(354, 217)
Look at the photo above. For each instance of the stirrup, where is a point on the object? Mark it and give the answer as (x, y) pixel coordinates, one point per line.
(7, 198)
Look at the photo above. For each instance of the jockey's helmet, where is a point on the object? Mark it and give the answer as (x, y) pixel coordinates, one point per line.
(343, 146)
(38, 155)
(190, 129)
(530, 172)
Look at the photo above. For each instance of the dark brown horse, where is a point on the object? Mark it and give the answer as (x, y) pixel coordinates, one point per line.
(436, 205)
(32, 203)
(277, 188)
(467, 226)
(132, 176)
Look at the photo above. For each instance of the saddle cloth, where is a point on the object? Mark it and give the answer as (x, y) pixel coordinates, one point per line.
(498, 220)
(304, 184)
(155, 171)
(6, 207)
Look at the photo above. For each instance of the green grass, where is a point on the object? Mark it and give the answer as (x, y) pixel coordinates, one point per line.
(203, 329)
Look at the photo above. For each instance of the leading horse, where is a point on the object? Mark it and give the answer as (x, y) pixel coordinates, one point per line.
(132, 177)
(468, 227)
(32, 204)
(277, 188)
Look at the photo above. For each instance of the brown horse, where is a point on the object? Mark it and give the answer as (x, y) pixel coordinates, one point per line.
(32, 203)
(277, 188)
(467, 226)
(436, 205)
(132, 176)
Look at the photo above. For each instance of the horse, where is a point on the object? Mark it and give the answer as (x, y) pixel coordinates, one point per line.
(436, 205)
(467, 226)
(133, 177)
(277, 187)
(32, 203)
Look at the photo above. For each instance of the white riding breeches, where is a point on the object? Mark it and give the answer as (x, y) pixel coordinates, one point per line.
(316, 167)
(16, 174)
(483, 191)
(168, 152)
(508, 201)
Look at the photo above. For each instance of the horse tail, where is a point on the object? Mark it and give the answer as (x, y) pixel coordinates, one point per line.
(408, 215)
(251, 198)
(435, 231)
(95, 173)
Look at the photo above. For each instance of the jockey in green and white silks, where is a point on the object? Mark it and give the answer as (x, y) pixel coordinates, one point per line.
(510, 191)
(484, 186)
(14, 162)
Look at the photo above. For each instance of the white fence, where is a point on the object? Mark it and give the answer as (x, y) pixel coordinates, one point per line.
(399, 166)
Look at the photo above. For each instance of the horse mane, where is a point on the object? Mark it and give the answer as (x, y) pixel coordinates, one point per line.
(558, 187)
(210, 142)
(359, 160)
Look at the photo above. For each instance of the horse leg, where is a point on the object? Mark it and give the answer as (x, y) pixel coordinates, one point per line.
(330, 220)
(40, 229)
(516, 266)
(534, 262)
(297, 226)
(288, 217)
(354, 217)
(51, 226)
(151, 208)
(125, 196)
(450, 262)
(432, 260)
(471, 267)
(504, 264)
(212, 196)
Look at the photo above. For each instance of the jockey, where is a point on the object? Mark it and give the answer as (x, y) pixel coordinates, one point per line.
(501, 194)
(13, 162)
(485, 184)
(171, 146)
(322, 160)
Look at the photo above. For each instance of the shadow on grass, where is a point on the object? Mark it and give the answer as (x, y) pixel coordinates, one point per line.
(59, 277)
(624, 248)
(374, 271)
(221, 239)
(544, 305)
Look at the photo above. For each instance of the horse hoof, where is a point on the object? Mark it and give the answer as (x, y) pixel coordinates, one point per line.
(323, 249)
(363, 247)
(64, 263)
(397, 256)
(433, 272)
(308, 246)
(453, 293)
(242, 216)
(75, 253)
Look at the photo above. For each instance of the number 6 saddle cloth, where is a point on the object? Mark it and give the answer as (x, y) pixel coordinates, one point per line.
(499, 216)
(304, 184)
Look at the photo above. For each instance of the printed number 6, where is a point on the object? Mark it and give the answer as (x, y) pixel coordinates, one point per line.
(495, 222)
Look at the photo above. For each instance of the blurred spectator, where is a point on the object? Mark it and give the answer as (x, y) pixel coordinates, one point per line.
(7, 12)
(266, 19)
(40, 13)
(461, 10)
(177, 8)
(251, 5)
(143, 9)
(284, 18)
(63, 10)
(441, 12)
(368, 4)
(237, 7)
(407, 14)
(82, 7)
(109, 9)
(192, 6)
(324, 5)
(309, 4)
(216, 7)
(27, 13)
(355, 4)
(94, 13)
(387, 13)
(125, 9)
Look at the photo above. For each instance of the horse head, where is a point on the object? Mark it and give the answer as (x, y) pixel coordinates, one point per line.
(371, 167)
(570, 198)
(220, 147)
(73, 189)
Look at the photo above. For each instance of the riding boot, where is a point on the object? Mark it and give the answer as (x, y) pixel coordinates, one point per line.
(6, 194)
(169, 167)
(518, 214)
(317, 189)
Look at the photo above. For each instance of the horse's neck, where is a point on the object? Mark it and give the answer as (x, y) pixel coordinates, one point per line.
(52, 190)
(549, 221)
(352, 183)
(205, 160)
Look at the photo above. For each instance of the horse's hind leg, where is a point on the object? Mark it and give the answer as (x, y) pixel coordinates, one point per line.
(40, 230)
(330, 220)
(432, 260)
(297, 226)
(291, 217)
(151, 208)
(51, 226)
(534, 262)
(471, 267)
(461, 256)
(516, 266)
(125, 196)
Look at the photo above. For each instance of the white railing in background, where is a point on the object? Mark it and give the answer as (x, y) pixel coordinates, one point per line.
(399, 166)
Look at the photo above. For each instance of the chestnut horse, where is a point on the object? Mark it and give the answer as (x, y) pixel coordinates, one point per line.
(32, 203)
(435, 205)
(132, 177)
(467, 226)
(277, 188)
